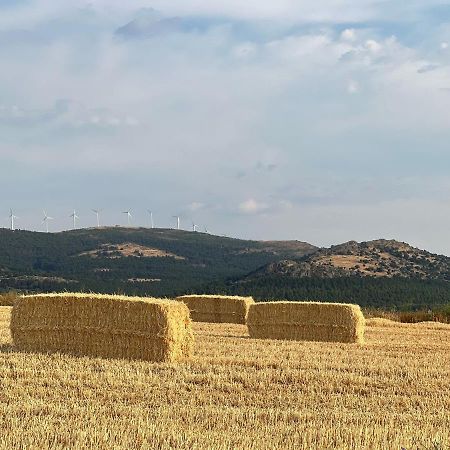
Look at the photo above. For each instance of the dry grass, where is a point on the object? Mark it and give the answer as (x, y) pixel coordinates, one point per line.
(426, 325)
(114, 251)
(236, 393)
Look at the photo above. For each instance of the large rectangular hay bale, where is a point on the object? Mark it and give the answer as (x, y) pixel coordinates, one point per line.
(217, 308)
(306, 321)
(105, 326)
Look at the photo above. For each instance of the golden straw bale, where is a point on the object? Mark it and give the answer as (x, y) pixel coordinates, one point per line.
(217, 308)
(306, 321)
(8, 298)
(106, 326)
(384, 323)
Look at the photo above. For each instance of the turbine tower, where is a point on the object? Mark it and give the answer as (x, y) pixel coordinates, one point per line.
(129, 216)
(74, 217)
(152, 225)
(178, 221)
(194, 227)
(12, 217)
(97, 213)
(45, 220)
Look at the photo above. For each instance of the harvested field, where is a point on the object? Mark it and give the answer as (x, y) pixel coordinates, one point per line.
(382, 322)
(306, 321)
(236, 393)
(109, 326)
(217, 308)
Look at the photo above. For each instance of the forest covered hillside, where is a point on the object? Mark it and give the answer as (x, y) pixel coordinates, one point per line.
(165, 262)
(383, 274)
(378, 259)
(161, 262)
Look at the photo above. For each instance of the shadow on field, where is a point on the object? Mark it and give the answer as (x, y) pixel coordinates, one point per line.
(225, 335)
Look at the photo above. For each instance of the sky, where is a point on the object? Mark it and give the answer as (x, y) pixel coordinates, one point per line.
(322, 121)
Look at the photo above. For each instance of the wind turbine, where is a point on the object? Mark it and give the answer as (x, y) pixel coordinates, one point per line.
(45, 220)
(178, 221)
(152, 225)
(97, 213)
(74, 217)
(129, 216)
(12, 217)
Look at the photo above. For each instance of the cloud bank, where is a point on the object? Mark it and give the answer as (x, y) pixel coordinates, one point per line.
(321, 122)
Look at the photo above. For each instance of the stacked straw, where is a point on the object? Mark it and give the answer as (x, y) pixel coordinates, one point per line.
(217, 308)
(306, 321)
(103, 325)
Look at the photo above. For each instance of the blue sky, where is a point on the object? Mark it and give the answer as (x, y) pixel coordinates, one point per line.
(320, 121)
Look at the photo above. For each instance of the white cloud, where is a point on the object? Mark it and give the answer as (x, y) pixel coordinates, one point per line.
(352, 87)
(29, 13)
(373, 45)
(444, 45)
(251, 206)
(348, 34)
(195, 206)
(186, 114)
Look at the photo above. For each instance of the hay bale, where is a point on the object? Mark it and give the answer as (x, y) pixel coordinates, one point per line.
(103, 325)
(306, 321)
(7, 299)
(382, 322)
(217, 308)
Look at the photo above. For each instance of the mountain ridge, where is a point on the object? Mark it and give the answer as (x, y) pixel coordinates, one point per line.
(166, 262)
(105, 259)
(377, 258)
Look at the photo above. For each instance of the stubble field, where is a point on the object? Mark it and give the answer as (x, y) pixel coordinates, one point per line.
(236, 393)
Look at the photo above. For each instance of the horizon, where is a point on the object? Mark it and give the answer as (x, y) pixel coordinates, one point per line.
(323, 122)
(185, 230)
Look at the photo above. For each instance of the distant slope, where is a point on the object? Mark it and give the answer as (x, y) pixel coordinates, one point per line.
(381, 273)
(163, 262)
(380, 258)
(131, 260)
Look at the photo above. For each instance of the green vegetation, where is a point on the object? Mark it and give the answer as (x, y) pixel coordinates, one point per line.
(385, 293)
(31, 261)
(89, 260)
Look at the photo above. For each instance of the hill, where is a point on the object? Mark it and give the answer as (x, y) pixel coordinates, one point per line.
(141, 261)
(380, 258)
(164, 262)
(381, 274)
